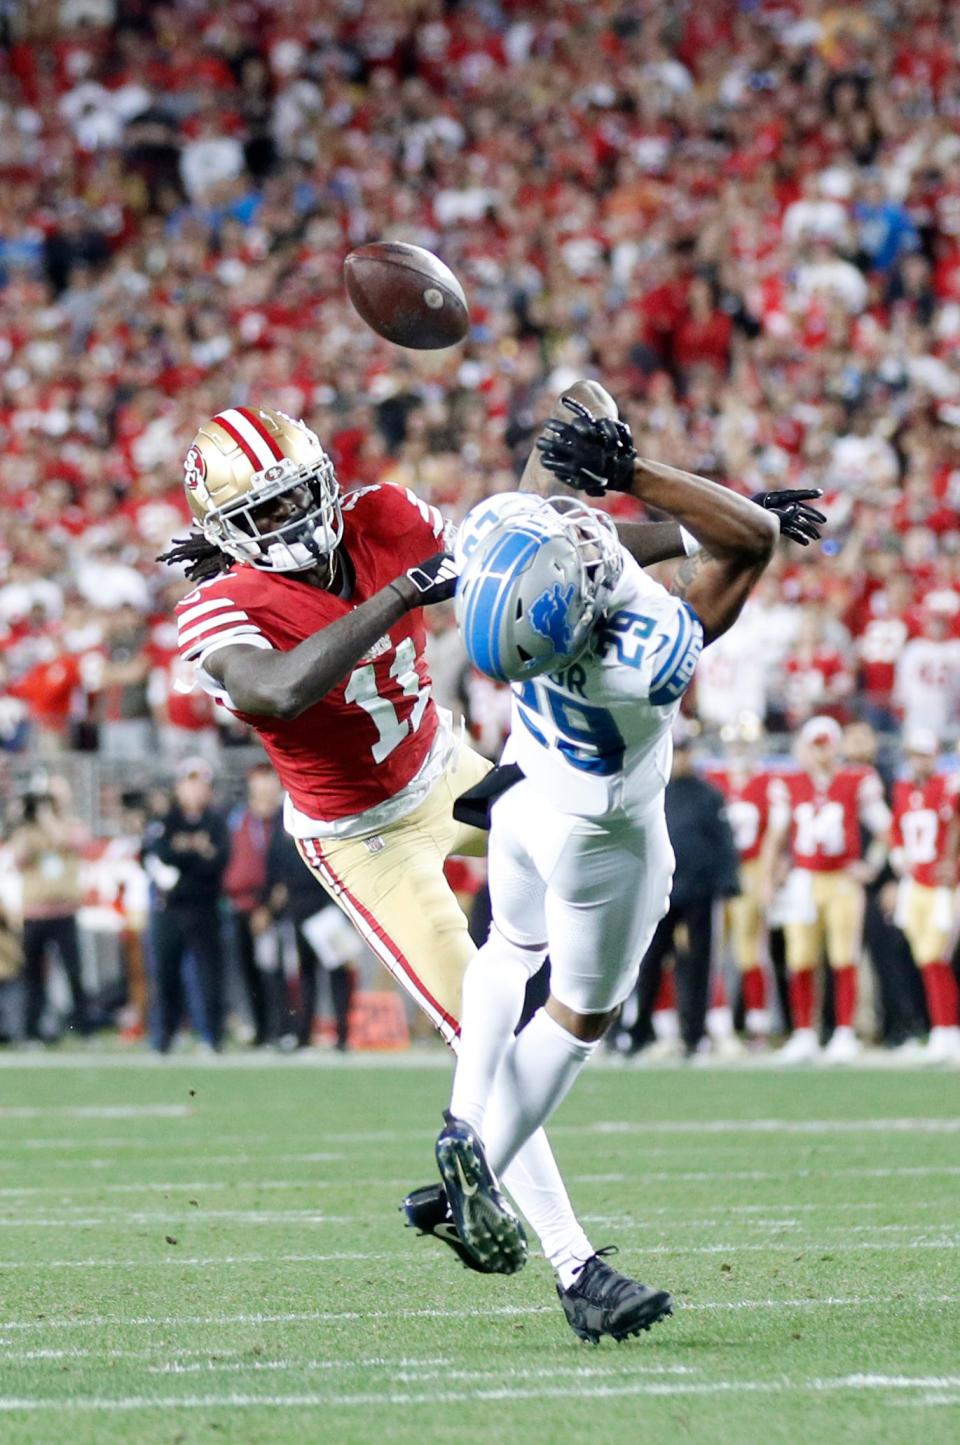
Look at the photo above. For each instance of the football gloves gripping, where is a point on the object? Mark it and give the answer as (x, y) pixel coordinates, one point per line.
(593, 454)
(596, 455)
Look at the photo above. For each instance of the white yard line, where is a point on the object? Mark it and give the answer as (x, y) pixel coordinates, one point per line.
(195, 1188)
(580, 1386)
(95, 1111)
(160, 1216)
(205, 1261)
(934, 1301)
(765, 1126)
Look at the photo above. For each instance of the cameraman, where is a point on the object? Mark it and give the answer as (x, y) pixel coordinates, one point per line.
(185, 854)
(46, 848)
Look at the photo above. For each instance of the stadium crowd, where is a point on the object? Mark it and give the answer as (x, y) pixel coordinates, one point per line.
(744, 218)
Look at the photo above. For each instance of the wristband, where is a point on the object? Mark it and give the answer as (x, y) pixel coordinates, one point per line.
(689, 542)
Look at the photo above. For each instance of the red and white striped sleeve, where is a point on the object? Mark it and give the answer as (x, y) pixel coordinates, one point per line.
(205, 624)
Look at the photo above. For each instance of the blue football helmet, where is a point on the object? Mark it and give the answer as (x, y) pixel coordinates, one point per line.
(534, 586)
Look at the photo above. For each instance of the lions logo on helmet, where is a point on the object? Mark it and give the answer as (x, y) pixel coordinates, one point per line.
(549, 613)
(534, 586)
(238, 467)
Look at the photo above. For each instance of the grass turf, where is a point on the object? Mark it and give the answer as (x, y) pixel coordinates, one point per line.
(193, 1251)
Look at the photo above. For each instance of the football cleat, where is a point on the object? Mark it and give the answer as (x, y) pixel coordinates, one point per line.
(428, 1212)
(843, 1048)
(602, 1301)
(486, 1224)
(802, 1047)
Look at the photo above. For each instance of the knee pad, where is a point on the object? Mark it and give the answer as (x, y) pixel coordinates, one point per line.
(527, 957)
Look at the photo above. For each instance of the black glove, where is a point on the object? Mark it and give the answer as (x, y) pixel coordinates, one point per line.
(797, 522)
(434, 580)
(593, 454)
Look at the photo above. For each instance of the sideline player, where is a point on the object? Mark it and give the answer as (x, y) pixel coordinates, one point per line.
(306, 623)
(580, 860)
(816, 814)
(925, 839)
(746, 787)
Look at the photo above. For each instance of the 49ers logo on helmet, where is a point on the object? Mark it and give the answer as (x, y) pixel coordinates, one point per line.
(194, 468)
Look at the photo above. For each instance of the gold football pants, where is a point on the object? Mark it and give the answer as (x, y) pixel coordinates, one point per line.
(392, 888)
(836, 904)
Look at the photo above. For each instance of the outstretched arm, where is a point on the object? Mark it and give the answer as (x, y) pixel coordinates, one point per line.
(737, 536)
(647, 542)
(650, 542)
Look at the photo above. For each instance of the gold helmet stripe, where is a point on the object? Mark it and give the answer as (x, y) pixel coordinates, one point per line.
(256, 443)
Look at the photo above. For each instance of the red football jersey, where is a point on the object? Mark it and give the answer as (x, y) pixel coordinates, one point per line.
(367, 739)
(922, 815)
(825, 818)
(748, 807)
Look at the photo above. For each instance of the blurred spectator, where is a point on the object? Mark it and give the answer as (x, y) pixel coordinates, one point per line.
(325, 941)
(125, 729)
(46, 848)
(11, 967)
(927, 682)
(252, 827)
(898, 996)
(707, 872)
(185, 855)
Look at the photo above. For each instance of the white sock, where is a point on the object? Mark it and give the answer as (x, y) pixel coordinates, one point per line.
(493, 991)
(538, 1068)
(534, 1181)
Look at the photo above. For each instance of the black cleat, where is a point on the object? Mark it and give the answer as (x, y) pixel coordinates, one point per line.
(428, 1212)
(602, 1301)
(486, 1224)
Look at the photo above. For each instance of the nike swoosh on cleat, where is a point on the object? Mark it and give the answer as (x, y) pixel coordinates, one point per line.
(469, 1190)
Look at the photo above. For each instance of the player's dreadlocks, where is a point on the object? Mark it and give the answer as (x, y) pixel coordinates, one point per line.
(199, 558)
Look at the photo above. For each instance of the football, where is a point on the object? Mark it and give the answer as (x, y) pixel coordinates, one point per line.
(407, 295)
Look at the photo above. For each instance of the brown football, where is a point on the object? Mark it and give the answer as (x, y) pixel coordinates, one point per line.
(407, 295)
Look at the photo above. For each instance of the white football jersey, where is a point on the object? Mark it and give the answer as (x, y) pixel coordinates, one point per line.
(595, 737)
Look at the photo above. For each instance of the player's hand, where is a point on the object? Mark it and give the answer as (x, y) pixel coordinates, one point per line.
(797, 521)
(434, 580)
(593, 454)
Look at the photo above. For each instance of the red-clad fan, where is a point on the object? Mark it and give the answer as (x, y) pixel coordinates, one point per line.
(183, 712)
(925, 839)
(746, 785)
(817, 812)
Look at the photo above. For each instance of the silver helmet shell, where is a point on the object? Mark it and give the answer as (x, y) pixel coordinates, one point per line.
(535, 585)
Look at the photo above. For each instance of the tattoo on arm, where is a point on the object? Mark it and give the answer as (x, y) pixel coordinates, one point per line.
(688, 571)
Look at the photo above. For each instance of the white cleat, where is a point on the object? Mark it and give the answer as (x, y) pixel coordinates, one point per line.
(943, 1046)
(802, 1047)
(910, 1052)
(843, 1048)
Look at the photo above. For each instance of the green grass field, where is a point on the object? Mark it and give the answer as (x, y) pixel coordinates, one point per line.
(203, 1251)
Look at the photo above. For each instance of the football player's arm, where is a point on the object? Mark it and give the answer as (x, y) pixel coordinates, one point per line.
(736, 536)
(874, 815)
(647, 542)
(946, 869)
(267, 683)
(898, 861)
(773, 857)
